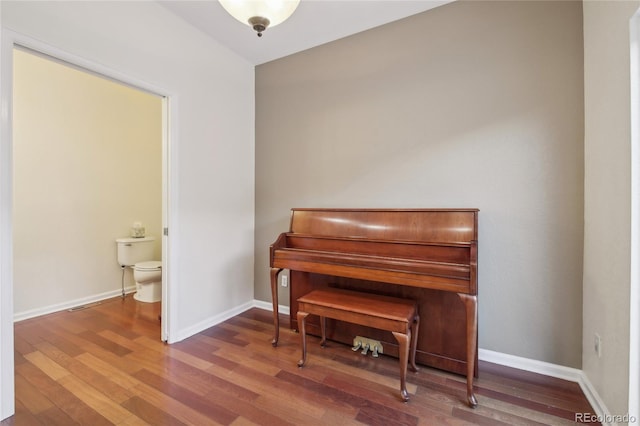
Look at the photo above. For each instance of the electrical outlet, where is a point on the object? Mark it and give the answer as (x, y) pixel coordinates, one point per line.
(597, 344)
(284, 281)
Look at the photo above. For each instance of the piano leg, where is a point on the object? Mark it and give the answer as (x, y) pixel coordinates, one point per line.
(471, 306)
(274, 299)
(414, 343)
(302, 316)
(403, 358)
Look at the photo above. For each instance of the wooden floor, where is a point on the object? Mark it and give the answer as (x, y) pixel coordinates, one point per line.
(105, 365)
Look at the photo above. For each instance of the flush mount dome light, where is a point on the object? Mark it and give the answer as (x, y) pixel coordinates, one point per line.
(260, 14)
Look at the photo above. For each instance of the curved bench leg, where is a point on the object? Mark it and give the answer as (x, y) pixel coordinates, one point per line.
(403, 357)
(302, 316)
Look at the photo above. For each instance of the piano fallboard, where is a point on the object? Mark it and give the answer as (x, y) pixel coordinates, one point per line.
(430, 265)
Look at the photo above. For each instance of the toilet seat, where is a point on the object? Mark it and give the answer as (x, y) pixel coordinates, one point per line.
(151, 265)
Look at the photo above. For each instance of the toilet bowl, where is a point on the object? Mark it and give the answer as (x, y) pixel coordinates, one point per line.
(148, 278)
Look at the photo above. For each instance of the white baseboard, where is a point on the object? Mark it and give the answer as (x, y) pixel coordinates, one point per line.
(32, 313)
(596, 402)
(552, 370)
(532, 365)
(210, 322)
(269, 307)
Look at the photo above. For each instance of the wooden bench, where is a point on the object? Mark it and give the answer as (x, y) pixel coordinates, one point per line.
(399, 316)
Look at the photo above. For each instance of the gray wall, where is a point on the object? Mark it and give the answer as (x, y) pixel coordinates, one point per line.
(473, 104)
(607, 243)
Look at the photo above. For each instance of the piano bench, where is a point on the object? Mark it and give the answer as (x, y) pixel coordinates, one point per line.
(399, 316)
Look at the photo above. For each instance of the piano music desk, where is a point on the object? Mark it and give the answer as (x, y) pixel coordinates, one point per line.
(399, 316)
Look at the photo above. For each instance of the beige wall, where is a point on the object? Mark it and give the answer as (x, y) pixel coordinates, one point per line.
(87, 164)
(607, 197)
(472, 104)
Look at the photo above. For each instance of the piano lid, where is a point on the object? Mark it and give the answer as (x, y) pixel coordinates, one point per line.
(434, 225)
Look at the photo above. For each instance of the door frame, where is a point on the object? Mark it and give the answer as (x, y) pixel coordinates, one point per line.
(634, 285)
(10, 40)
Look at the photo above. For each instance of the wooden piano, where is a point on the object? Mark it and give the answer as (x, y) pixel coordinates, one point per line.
(428, 255)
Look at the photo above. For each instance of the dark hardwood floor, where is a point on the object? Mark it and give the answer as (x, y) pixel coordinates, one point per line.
(106, 365)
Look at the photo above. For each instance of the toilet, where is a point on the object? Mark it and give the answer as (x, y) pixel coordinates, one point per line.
(137, 253)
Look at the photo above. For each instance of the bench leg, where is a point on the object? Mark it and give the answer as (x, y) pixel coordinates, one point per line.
(302, 316)
(403, 356)
(414, 343)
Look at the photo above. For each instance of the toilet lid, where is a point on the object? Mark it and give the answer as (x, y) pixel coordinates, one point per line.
(148, 266)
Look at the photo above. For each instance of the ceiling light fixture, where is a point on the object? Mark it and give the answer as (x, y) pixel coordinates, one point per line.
(260, 14)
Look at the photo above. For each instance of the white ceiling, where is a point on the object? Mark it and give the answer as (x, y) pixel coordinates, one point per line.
(314, 22)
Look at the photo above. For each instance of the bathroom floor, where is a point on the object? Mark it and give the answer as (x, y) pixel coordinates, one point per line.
(140, 310)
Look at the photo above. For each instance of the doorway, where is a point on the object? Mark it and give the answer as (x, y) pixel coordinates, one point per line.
(10, 41)
(87, 157)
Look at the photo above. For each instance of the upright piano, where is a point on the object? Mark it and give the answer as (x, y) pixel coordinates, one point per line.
(428, 255)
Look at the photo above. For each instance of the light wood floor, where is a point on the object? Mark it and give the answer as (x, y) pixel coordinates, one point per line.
(105, 365)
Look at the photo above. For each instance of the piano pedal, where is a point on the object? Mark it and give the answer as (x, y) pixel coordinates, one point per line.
(365, 350)
(367, 345)
(375, 352)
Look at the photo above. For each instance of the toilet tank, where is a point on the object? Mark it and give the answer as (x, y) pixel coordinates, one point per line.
(134, 250)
